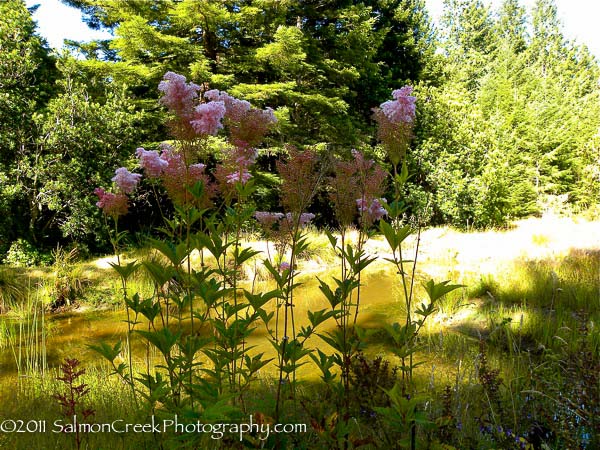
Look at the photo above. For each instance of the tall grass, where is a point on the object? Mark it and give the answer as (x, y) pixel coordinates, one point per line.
(29, 341)
(12, 290)
(24, 329)
(541, 301)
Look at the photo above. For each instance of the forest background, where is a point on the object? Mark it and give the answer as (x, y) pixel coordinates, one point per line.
(508, 119)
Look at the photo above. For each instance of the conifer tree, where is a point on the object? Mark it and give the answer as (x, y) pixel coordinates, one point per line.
(321, 64)
(523, 121)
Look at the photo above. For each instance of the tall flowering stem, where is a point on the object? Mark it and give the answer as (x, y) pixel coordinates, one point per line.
(300, 177)
(114, 205)
(395, 119)
(236, 185)
(246, 127)
(370, 183)
(185, 180)
(300, 181)
(355, 191)
(186, 183)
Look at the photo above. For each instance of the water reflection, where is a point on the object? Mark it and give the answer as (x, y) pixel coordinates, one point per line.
(58, 336)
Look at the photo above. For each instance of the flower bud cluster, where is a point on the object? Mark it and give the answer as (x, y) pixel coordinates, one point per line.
(395, 120)
(116, 204)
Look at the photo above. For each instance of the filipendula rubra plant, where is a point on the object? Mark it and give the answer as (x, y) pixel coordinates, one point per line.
(300, 175)
(114, 205)
(175, 324)
(395, 120)
(355, 192)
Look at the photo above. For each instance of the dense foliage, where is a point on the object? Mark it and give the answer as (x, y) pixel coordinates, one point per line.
(220, 117)
(516, 122)
(508, 123)
(26, 77)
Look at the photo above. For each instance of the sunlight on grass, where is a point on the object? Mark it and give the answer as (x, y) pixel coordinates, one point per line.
(523, 302)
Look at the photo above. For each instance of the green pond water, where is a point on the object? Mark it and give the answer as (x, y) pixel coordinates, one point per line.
(48, 340)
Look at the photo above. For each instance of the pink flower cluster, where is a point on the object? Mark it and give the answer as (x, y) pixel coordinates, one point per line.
(207, 117)
(234, 169)
(284, 266)
(177, 177)
(303, 220)
(300, 179)
(402, 109)
(113, 205)
(253, 127)
(395, 120)
(151, 162)
(125, 180)
(247, 125)
(268, 220)
(243, 158)
(235, 109)
(116, 205)
(171, 168)
(242, 176)
(362, 177)
(374, 211)
(289, 221)
(178, 95)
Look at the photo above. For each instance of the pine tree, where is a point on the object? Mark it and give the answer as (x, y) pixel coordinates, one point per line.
(524, 121)
(470, 38)
(321, 64)
(512, 26)
(562, 97)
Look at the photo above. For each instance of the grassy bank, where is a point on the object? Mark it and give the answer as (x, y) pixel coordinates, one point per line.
(511, 360)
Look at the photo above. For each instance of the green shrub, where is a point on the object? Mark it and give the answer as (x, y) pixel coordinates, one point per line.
(22, 254)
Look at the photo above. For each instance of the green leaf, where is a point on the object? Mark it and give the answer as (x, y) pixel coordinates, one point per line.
(317, 317)
(126, 270)
(435, 291)
(163, 340)
(275, 273)
(332, 298)
(332, 239)
(150, 309)
(197, 190)
(387, 230)
(261, 299)
(211, 241)
(110, 353)
(241, 256)
(159, 273)
(174, 253)
(192, 345)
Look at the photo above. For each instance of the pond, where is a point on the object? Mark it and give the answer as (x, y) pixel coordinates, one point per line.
(44, 342)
